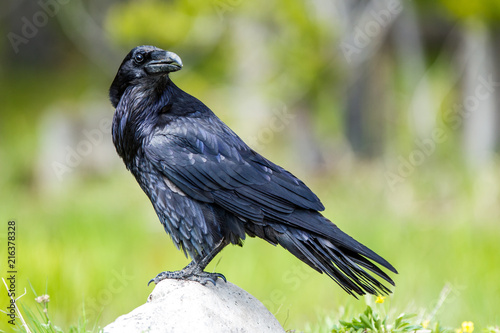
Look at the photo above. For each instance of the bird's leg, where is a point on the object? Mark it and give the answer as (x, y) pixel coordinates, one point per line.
(194, 271)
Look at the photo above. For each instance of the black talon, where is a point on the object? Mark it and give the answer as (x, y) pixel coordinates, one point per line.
(192, 272)
(204, 277)
(222, 277)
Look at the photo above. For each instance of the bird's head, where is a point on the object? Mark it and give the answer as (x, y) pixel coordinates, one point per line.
(142, 63)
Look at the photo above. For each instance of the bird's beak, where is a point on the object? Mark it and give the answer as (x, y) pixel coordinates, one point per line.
(163, 62)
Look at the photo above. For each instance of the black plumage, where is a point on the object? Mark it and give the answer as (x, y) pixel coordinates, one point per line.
(209, 189)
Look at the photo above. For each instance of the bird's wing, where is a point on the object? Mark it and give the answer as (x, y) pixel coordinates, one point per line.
(210, 163)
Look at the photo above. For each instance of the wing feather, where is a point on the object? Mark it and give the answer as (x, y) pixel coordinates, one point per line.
(208, 162)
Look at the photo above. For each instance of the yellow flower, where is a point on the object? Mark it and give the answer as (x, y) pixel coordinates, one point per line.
(467, 326)
(380, 300)
(425, 323)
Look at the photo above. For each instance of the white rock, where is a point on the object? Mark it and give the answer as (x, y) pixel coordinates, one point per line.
(187, 306)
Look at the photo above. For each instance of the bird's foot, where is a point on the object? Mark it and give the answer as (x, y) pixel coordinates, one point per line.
(191, 273)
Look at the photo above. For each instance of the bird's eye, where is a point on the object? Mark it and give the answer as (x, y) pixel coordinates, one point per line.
(138, 58)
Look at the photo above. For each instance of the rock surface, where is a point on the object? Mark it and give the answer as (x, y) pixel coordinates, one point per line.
(186, 306)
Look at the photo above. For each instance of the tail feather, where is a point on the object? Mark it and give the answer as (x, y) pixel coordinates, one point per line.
(352, 266)
(343, 259)
(297, 248)
(319, 243)
(317, 224)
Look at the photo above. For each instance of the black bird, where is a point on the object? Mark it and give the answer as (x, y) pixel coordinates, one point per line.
(209, 189)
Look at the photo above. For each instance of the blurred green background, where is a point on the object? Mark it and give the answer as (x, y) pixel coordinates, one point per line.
(388, 110)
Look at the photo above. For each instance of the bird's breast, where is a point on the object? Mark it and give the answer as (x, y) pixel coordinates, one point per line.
(132, 126)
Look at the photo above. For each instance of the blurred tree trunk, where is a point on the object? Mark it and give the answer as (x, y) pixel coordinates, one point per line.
(479, 105)
(309, 154)
(32, 37)
(422, 107)
(495, 35)
(82, 23)
(367, 28)
(249, 40)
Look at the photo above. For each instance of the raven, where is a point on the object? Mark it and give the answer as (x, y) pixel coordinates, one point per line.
(209, 189)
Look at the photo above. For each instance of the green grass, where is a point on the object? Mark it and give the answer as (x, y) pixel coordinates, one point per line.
(37, 318)
(96, 241)
(375, 318)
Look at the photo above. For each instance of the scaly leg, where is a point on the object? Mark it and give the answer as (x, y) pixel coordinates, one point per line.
(194, 271)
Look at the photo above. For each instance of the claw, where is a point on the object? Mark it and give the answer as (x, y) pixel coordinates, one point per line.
(205, 277)
(206, 280)
(160, 277)
(222, 277)
(188, 274)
